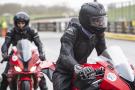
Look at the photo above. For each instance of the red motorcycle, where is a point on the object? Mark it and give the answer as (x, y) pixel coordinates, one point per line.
(26, 69)
(112, 72)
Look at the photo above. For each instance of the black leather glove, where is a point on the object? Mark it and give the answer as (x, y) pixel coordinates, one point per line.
(42, 57)
(5, 55)
(85, 72)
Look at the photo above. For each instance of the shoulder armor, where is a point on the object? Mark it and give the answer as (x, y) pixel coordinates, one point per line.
(74, 22)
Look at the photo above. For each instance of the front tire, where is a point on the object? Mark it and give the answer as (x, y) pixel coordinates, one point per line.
(25, 85)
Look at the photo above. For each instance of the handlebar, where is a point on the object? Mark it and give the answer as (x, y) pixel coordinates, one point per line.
(5, 59)
(100, 71)
(91, 81)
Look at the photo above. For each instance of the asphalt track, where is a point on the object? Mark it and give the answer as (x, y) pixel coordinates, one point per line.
(51, 42)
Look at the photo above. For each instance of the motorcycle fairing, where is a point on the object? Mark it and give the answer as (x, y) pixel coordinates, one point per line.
(116, 56)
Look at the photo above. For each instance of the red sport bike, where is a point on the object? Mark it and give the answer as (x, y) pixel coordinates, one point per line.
(112, 72)
(26, 69)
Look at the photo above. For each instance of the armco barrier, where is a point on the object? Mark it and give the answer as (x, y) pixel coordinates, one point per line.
(120, 36)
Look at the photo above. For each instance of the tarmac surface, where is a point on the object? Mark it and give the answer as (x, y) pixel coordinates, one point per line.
(51, 42)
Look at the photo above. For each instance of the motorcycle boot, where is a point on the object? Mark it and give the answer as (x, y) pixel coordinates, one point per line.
(4, 82)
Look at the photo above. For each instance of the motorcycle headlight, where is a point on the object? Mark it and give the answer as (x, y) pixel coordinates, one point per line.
(33, 68)
(18, 69)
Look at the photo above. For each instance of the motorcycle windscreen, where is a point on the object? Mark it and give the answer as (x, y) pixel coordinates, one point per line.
(24, 49)
(116, 56)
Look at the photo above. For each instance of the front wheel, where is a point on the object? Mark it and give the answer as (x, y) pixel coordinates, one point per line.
(25, 85)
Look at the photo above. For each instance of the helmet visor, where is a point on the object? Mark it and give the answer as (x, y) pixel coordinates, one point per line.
(99, 22)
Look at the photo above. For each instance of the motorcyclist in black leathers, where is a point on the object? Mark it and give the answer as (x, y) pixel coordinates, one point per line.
(78, 41)
(20, 31)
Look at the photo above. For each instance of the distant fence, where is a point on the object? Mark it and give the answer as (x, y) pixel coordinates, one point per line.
(51, 24)
(59, 25)
(121, 27)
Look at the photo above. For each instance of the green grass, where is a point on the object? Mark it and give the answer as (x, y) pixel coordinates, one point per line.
(44, 16)
(124, 13)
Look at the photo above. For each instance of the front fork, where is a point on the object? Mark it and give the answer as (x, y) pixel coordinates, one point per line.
(15, 83)
(34, 82)
(20, 79)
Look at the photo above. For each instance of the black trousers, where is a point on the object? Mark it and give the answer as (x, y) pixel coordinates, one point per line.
(61, 81)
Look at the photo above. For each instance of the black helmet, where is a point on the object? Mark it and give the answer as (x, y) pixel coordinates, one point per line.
(21, 16)
(93, 16)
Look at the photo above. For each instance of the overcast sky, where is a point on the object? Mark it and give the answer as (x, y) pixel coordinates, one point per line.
(71, 3)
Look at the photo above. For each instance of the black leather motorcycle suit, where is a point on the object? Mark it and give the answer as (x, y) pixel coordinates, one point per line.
(76, 45)
(12, 37)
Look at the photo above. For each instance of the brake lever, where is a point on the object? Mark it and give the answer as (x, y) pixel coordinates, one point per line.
(100, 71)
(97, 82)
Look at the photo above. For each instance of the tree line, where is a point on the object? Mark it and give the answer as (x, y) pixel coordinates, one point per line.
(12, 8)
